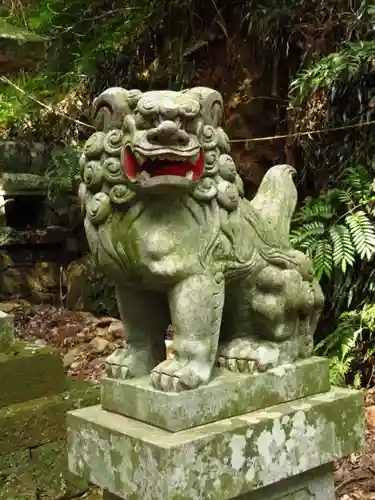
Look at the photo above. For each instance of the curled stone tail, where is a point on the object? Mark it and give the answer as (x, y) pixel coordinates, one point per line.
(275, 203)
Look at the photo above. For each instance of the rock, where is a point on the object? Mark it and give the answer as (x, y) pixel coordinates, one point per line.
(66, 331)
(370, 416)
(104, 322)
(99, 344)
(40, 343)
(103, 333)
(71, 356)
(116, 330)
(77, 285)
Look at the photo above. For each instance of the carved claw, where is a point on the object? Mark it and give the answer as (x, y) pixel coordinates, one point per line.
(246, 356)
(175, 375)
(127, 363)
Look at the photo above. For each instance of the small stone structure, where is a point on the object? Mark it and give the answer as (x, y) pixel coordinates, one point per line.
(35, 395)
(243, 410)
(19, 48)
(35, 239)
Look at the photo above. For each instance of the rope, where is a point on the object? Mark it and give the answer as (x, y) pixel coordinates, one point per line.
(233, 141)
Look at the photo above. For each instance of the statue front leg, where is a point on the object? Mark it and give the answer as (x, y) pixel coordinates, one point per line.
(196, 306)
(145, 317)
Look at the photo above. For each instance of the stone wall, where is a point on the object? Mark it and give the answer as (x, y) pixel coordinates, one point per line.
(34, 398)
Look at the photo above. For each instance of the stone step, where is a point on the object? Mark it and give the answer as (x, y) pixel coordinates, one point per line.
(28, 371)
(220, 460)
(227, 395)
(43, 420)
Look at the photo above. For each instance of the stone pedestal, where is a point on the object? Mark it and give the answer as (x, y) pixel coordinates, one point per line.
(247, 437)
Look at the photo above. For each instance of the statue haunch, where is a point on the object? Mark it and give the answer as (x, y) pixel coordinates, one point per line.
(167, 221)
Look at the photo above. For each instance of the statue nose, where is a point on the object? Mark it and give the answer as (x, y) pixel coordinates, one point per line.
(168, 132)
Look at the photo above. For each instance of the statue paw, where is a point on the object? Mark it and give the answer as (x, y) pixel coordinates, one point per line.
(248, 356)
(127, 362)
(180, 375)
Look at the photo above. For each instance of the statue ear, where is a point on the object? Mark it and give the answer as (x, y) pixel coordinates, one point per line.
(211, 101)
(111, 106)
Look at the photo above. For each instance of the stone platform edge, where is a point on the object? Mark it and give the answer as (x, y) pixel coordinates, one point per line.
(227, 395)
(224, 459)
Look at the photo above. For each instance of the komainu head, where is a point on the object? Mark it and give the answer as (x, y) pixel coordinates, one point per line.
(158, 140)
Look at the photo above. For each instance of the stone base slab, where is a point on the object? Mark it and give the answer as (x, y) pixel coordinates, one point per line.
(217, 461)
(227, 395)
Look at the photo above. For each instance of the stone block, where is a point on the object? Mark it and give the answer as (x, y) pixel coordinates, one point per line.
(39, 421)
(6, 331)
(216, 461)
(227, 395)
(30, 372)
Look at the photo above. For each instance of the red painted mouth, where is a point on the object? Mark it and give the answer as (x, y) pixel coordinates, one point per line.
(158, 167)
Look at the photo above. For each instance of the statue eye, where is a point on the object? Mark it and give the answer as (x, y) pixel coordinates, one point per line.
(191, 126)
(142, 122)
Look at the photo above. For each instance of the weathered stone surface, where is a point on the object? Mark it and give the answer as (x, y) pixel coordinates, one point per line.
(221, 460)
(42, 420)
(19, 49)
(16, 476)
(10, 236)
(6, 333)
(30, 281)
(165, 210)
(31, 372)
(227, 395)
(24, 157)
(316, 484)
(50, 472)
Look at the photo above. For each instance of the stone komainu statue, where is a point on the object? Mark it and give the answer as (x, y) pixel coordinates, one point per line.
(167, 221)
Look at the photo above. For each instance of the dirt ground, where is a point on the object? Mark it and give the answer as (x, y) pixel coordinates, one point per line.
(85, 341)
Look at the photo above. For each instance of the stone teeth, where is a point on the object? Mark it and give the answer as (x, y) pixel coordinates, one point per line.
(143, 176)
(190, 175)
(140, 158)
(194, 159)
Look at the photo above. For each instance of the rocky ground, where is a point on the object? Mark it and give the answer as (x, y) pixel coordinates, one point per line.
(85, 341)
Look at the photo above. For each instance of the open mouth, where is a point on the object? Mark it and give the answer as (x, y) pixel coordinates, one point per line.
(140, 167)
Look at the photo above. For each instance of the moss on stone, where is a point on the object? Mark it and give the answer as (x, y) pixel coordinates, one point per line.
(227, 395)
(223, 459)
(50, 472)
(31, 372)
(39, 421)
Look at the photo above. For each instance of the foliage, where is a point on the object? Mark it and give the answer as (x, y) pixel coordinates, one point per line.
(336, 228)
(335, 225)
(351, 347)
(63, 171)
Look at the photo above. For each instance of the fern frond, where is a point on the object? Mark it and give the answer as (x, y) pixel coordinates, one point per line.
(305, 233)
(362, 233)
(343, 250)
(339, 369)
(321, 253)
